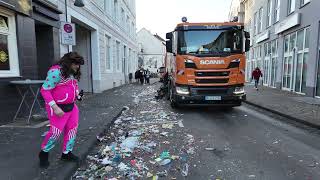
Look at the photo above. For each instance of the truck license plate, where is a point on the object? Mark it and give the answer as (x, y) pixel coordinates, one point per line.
(213, 98)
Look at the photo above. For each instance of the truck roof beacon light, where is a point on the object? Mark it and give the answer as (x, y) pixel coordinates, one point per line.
(184, 19)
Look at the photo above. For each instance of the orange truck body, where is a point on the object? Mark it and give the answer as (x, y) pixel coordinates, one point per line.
(206, 63)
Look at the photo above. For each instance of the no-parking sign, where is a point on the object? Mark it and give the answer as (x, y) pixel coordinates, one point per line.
(68, 35)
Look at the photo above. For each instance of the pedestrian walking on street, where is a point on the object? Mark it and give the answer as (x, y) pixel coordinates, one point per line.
(60, 91)
(136, 76)
(147, 75)
(141, 76)
(256, 74)
(130, 78)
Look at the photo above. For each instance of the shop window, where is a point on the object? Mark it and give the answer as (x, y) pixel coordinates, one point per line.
(9, 66)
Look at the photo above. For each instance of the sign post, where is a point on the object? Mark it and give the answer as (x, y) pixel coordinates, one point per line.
(68, 36)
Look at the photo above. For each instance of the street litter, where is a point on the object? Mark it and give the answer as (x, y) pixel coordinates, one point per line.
(129, 143)
(167, 126)
(180, 124)
(123, 167)
(149, 174)
(165, 162)
(165, 155)
(164, 133)
(185, 170)
(137, 146)
(191, 150)
(106, 161)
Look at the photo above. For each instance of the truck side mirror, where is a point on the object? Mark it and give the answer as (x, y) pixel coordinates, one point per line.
(247, 45)
(169, 35)
(169, 46)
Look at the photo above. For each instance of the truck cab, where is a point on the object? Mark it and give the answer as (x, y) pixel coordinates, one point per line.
(206, 63)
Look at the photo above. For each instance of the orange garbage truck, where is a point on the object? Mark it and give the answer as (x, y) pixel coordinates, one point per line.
(205, 63)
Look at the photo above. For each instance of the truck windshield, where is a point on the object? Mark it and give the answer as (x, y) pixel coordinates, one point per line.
(210, 42)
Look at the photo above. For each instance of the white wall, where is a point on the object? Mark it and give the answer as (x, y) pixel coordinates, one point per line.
(99, 16)
(153, 50)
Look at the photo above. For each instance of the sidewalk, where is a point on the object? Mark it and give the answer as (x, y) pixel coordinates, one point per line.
(300, 108)
(19, 147)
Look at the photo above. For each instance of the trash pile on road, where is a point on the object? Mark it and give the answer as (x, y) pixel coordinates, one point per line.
(146, 142)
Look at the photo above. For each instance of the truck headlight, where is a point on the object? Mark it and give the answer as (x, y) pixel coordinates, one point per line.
(190, 63)
(184, 90)
(239, 90)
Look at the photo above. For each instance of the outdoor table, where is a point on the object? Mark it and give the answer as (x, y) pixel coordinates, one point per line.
(28, 84)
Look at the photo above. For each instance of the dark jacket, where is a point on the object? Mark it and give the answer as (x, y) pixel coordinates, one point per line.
(256, 74)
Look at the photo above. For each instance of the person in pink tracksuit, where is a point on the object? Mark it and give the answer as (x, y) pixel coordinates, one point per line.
(60, 91)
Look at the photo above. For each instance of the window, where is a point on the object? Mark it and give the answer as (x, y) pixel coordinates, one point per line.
(260, 20)
(291, 6)
(295, 60)
(122, 17)
(128, 24)
(133, 28)
(107, 6)
(115, 10)
(214, 42)
(277, 11)
(124, 59)
(118, 54)
(255, 28)
(303, 2)
(129, 61)
(269, 13)
(9, 66)
(108, 53)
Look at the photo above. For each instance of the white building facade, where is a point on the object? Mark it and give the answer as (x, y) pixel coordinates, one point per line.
(285, 43)
(106, 38)
(152, 50)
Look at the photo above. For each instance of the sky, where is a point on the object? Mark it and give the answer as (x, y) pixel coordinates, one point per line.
(162, 16)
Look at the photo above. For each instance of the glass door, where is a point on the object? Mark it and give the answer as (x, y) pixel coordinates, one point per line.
(266, 64)
(273, 63)
(286, 81)
(295, 61)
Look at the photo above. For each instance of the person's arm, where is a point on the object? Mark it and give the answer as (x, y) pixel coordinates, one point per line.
(53, 78)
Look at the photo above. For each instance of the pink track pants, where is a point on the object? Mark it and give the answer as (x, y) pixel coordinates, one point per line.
(68, 124)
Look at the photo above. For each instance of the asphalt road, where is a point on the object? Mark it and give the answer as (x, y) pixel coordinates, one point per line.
(250, 144)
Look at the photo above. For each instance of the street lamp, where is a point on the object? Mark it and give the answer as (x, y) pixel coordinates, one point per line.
(77, 3)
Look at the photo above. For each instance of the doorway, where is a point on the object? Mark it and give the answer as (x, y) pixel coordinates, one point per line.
(45, 48)
(83, 47)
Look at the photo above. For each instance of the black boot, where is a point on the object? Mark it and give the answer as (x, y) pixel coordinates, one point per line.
(44, 159)
(69, 157)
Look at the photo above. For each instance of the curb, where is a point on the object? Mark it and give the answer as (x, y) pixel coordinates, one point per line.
(316, 126)
(92, 142)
